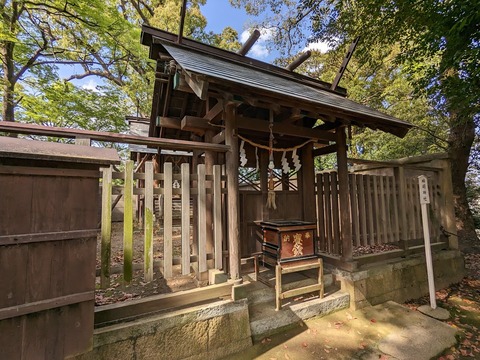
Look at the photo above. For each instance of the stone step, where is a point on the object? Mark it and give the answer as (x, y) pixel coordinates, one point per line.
(258, 292)
(265, 321)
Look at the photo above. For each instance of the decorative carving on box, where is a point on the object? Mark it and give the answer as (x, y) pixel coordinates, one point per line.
(287, 240)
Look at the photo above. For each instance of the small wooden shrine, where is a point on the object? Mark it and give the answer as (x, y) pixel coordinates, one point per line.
(275, 122)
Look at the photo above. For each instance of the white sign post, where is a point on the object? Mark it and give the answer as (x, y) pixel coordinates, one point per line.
(424, 200)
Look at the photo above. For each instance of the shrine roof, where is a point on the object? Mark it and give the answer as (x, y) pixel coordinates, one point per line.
(237, 73)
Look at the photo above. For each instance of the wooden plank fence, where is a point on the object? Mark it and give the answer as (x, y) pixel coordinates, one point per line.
(384, 210)
(126, 184)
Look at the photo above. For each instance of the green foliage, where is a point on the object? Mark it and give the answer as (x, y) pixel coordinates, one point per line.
(65, 105)
(93, 38)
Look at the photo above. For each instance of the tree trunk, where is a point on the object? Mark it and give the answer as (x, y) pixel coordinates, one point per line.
(8, 111)
(462, 134)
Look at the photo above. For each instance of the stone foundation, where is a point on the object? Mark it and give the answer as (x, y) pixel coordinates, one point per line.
(202, 332)
(400, 280)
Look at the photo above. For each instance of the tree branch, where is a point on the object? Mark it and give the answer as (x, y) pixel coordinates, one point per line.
(106, 75)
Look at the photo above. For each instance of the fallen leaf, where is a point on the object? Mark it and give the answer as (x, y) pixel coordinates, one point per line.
(338, 324)
(326, 350)
(373, 320)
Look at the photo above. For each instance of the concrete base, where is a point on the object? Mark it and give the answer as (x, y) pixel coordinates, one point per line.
(399, 279)
(217, 277)
(437, 313)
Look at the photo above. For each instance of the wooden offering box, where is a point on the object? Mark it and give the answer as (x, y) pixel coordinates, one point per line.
(287, 240)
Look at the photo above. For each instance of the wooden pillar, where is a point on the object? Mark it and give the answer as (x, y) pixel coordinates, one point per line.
(343, 189)
(308, 183)
(232, 191)
(210, 160)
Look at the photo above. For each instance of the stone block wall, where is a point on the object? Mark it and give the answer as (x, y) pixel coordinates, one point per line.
(400, 279)
(203, 332)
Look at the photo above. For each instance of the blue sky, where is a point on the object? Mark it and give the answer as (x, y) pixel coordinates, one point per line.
(220, 14)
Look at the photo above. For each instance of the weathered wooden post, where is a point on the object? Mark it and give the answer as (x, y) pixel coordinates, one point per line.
(343, 189)
(232, 191)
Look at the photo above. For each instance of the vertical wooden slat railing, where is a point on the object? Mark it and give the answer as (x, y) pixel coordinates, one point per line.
(217, 216)
(371, 215)
(166, 222)
(354, 210)
(185, 185)
(362, 207)
(328, 215)
(336, 246)
(202, 219)
(148, 229)
(395, 209)
(128, 222)
(106, 227)
(384, 209)
(321, 213)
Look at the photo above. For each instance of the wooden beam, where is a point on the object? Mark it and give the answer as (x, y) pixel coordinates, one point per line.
(198, 84)
(214, 111)
(249, 43)
(137, 119)
(114, 313)
(219, 138)
(345, 62)
(290, 116)
(348, 116)
(168, 144)
(195, 124)
(169, 122)
(299, 60)
(282, 128)
(182, 21)
(329, 149)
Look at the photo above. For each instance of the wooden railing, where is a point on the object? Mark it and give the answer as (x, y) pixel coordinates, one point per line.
(193, 249)
(384, 210)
